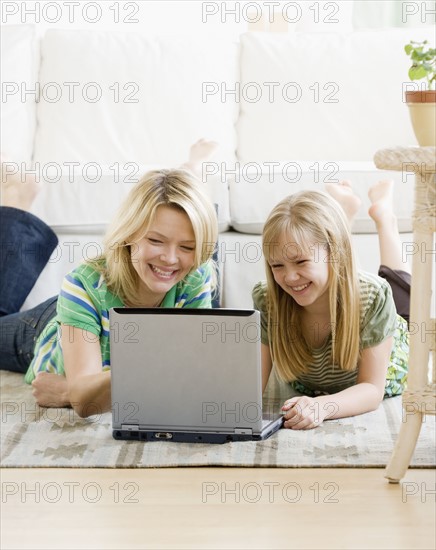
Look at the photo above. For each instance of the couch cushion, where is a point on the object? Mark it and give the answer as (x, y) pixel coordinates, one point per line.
(314, 96)
(243, 265)
(257, 188)
(19, 60)
(130, 98)
(84, 198)
(71, 250)
(79, 210)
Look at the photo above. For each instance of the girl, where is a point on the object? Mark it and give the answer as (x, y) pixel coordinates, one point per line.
(332, 331)
(157, 253)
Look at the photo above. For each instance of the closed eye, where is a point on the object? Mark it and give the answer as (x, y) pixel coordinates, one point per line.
(154, 241)
(188, 248)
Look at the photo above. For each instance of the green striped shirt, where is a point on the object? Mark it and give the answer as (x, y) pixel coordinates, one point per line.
(84, 302)
(378, 321)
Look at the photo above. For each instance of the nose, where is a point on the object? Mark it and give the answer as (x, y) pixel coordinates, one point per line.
(291, 275)
(169, 255)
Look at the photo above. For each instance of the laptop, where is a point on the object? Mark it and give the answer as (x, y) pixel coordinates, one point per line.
(191, 375)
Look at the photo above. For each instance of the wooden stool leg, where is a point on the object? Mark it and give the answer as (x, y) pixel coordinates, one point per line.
(404, 447)
(420, 392)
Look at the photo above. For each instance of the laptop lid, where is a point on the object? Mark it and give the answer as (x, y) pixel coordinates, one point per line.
(186, 370)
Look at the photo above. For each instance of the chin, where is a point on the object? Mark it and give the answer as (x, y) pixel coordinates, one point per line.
(161, 286)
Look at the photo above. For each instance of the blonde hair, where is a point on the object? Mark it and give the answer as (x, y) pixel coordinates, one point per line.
(312, 216)
(177, 189)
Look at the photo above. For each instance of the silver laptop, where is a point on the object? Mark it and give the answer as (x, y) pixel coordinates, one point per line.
(190, 375)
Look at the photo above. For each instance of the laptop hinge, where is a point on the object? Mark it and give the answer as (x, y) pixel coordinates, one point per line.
(243, 431)
(130, 427)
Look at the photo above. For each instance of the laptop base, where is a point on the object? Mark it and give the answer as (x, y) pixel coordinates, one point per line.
(186, 437)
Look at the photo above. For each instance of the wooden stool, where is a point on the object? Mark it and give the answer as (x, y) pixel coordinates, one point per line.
(420, 397)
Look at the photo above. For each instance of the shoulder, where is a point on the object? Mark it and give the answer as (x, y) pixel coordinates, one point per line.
(378, 314)
(85, 282)
(194, 291)
(373, 290)
(87, 273)
(259, 294)
(199, 276)
(371, 283)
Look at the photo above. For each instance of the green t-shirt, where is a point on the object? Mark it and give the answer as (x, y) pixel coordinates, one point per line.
(84, 302)
(378, 321)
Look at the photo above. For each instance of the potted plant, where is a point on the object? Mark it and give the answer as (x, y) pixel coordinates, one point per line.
(422, 103)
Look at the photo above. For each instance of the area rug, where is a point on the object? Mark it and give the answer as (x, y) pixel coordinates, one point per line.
(37, 437)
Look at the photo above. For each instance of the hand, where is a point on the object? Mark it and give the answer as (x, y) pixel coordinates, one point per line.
(303, 413)
(50, 390)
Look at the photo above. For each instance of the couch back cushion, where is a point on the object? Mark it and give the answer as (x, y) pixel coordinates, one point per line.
(85, 198)
(253, 193)
(121, 97)
(324, 96)
(19, 61)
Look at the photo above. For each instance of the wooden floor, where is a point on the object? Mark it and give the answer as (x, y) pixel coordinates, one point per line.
(216, 508)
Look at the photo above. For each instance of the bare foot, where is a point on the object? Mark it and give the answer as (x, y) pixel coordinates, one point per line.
(343, 193)
(17, 191)
(380, 195)
(50, 390)
(199, 152)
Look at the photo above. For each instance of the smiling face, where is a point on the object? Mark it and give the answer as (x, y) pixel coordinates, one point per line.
(164, 255)
(302, 272)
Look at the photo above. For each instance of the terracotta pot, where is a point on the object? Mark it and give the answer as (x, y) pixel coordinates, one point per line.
(422, 108)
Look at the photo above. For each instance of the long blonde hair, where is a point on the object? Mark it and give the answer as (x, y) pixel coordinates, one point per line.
(312, 216)
(174, 188)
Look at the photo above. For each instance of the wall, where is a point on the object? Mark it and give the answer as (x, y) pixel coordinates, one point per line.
(219, 18)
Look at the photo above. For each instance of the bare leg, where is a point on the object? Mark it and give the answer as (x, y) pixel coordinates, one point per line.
(48, 389)
(199, 152)
(381, 211)
(345, 196)
(26, 241)
(15, 192)
(26, 244)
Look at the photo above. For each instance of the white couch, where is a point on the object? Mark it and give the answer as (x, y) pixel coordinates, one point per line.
(90, 111)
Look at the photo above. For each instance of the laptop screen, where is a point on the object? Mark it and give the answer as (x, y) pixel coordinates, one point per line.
(186, 369)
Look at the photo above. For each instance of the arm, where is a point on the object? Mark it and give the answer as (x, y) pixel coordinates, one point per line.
(306, 412)
(266, 365)
(89, 388)
(50, 390)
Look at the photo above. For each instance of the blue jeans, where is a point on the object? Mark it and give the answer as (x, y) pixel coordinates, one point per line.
(26, 244)
(216, 295)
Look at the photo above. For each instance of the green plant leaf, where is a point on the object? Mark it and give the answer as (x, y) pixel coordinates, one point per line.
(423, 62)
(416, 72)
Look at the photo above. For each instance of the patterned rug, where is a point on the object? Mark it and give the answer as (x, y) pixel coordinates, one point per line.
(36, 437)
